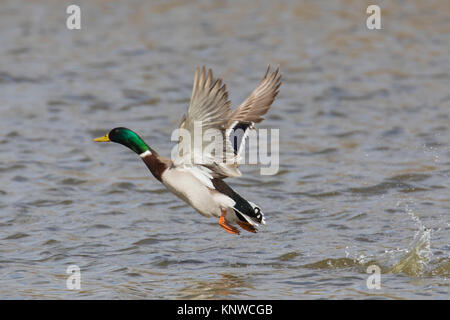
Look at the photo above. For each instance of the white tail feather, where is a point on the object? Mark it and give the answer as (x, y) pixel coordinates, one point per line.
(250, 220)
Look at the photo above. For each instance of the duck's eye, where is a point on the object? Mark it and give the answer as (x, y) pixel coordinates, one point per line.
(257, 210)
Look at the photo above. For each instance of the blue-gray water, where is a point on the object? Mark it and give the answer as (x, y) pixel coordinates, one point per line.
(364, 148)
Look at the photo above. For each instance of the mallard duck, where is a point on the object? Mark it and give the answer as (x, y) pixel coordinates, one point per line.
(201, 183)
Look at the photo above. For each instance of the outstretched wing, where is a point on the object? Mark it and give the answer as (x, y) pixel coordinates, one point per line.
(253, 108)
(260, 100)
(207, 117)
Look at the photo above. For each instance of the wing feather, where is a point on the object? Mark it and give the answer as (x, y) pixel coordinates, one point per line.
(210, 107)
(259, 101)
(243, 118)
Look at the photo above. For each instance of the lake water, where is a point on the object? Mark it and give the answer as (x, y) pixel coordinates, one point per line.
(364, 121)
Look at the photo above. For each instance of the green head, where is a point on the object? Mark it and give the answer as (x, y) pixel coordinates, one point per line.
(126, 137)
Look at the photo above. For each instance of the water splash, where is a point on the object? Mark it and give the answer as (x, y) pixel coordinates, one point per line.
(413, 261)
(417, 258)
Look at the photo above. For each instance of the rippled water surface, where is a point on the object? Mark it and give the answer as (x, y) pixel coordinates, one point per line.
(364, 148)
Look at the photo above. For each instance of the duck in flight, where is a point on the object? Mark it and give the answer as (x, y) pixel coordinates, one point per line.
(199, 182)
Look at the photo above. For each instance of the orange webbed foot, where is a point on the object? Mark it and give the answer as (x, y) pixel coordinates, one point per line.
(247, 226)
(229, 228)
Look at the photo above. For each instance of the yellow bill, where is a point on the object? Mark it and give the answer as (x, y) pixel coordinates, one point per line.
(105, 138)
